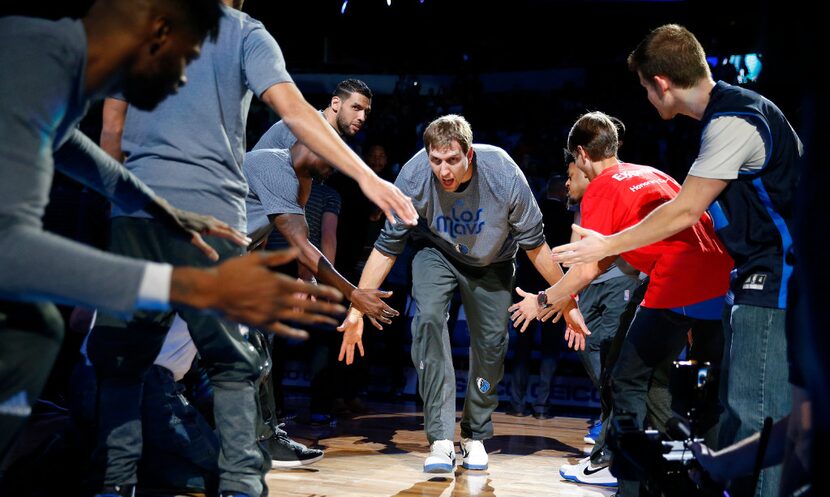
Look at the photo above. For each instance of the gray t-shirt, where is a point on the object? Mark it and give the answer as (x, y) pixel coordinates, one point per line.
(273, 187)
(190, 148)
(321, 200)
(730, 145)
(42, 97)
(277, 136)
(486, 223)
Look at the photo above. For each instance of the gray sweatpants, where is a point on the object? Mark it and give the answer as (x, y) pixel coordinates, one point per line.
(486, 295)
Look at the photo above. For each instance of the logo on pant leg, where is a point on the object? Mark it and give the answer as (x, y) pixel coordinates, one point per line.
(482, 384)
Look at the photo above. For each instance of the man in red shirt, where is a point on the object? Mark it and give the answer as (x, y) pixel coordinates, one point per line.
(689, 272)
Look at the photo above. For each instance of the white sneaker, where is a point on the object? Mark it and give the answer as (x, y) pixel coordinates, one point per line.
(475, 456)
(441, 458)
(585, 472)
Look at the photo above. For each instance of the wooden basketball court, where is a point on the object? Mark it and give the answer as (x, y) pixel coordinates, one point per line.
(381, 454)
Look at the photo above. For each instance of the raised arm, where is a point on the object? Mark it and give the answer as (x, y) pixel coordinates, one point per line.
(295, 229)
(374, 272)
(670, 218)
(576, 330)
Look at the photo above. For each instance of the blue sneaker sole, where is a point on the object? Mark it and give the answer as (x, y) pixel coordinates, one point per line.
(438, 468)
(474, 466)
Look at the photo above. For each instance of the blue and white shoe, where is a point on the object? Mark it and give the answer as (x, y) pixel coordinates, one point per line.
(441, 458)
(584, 471)
(593, 433)
(474, 454)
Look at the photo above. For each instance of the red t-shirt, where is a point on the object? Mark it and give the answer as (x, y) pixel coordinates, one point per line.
(687, 268)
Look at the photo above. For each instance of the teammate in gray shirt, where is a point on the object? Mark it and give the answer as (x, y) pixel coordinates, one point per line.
(347, 112)
(192, 148)
(476, 210)
(52, 70)
(280, 184)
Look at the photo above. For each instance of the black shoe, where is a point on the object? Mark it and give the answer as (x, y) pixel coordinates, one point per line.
(286, 453)
(117, 491)
(542, 415)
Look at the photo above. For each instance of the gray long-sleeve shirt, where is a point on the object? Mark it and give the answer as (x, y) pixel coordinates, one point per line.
(42, 98)
(486, 223)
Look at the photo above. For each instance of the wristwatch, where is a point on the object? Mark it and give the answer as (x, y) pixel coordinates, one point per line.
(542, 300)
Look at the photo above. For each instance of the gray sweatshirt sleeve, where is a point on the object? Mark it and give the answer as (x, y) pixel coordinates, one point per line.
(84, 161)
(40, 77)
(392, 238)
(525, 217)
(36, 265)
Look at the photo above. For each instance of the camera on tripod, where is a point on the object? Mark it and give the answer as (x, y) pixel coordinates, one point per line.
(662, 461)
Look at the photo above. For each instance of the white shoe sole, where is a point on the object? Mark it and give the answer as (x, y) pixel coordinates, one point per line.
(294, 464)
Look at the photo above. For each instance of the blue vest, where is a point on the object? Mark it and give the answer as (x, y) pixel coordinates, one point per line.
(753, 214)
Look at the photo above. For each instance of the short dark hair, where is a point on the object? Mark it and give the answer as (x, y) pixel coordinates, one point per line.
(567, 157)
(202, 16)
(596, 133)
(671, 51)
(348, 86)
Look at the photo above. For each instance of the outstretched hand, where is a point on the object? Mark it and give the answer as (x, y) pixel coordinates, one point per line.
(524, 311)
(593, 247)
(368, 302)
(575, 329)
(390, 200)
(245, 289)
(352, 329)
(194, 225)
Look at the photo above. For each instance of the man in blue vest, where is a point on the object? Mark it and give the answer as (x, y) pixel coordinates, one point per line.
(745, 175)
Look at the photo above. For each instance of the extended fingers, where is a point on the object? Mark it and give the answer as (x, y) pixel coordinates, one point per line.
(200, 243)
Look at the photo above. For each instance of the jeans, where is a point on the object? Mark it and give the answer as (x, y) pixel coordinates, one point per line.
(122, 351)
(30, 338)
(755, 367)
(180, 449)
(655, 337)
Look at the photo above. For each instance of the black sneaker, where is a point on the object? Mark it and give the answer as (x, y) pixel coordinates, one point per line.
(286, 453)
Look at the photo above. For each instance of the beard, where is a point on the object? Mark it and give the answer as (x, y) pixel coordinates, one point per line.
(146, 92)
(344, 127)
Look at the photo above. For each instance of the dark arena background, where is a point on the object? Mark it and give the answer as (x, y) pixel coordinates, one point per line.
(521, 72)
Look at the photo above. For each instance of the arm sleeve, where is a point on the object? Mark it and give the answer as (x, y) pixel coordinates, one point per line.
(731, 145)
(263, 62)
(392, 238)
(525, 218)
(81, 159)
(36, 265)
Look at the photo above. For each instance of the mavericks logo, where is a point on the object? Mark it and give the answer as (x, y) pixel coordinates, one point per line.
(459, 223)
(482, 384)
